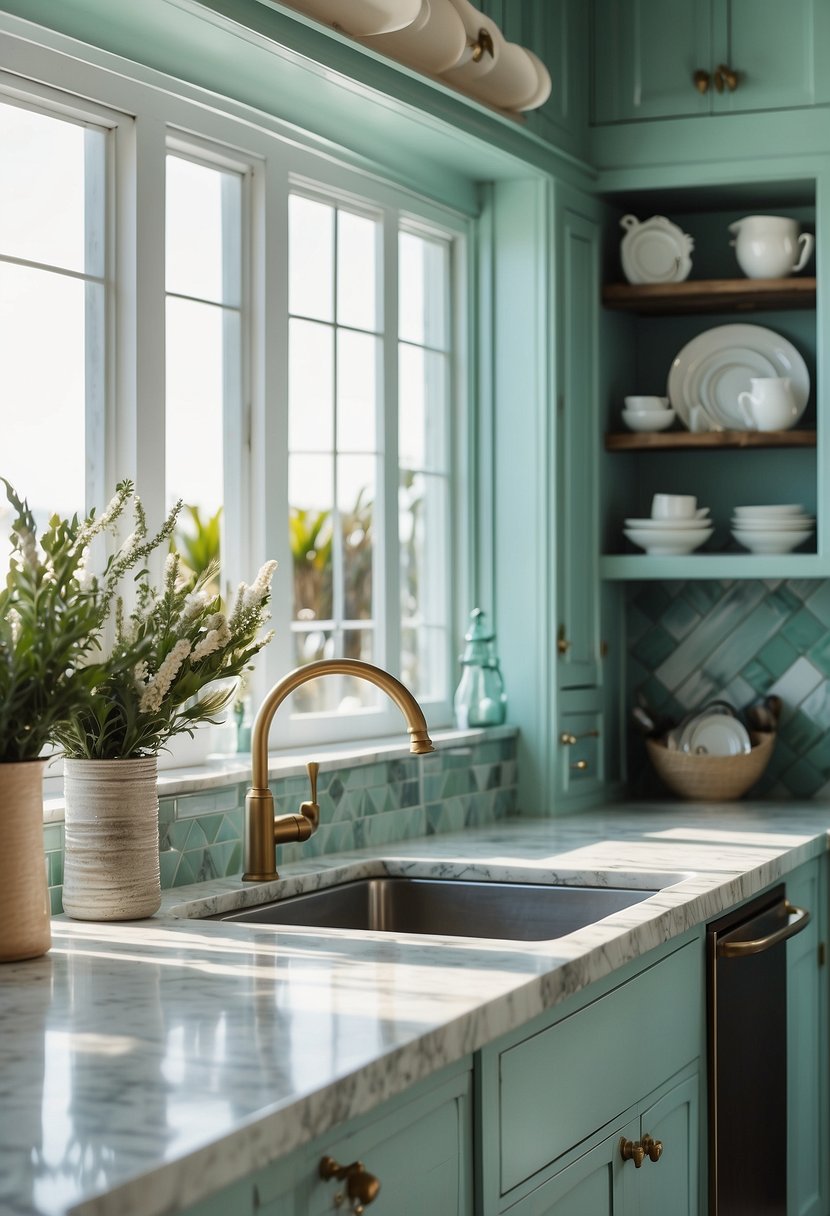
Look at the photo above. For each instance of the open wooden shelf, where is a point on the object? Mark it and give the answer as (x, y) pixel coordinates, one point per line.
(711, 295)
(664, 441)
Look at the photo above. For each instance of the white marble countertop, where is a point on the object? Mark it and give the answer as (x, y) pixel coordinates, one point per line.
(144, 1066)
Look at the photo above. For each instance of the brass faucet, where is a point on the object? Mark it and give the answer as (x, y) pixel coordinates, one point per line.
(264, 830)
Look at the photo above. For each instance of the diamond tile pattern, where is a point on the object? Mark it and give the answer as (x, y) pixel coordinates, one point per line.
(200, 835)
(739, 641)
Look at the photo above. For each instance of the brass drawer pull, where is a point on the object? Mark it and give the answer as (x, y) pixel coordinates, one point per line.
(567, 739)
(652, 1148)
(632, 1150)
(361, 1186)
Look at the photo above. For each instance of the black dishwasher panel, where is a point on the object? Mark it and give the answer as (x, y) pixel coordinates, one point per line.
(747, 1007)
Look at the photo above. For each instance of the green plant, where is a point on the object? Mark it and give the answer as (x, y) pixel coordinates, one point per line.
(50, 615)
(163, 652)
(198, 544)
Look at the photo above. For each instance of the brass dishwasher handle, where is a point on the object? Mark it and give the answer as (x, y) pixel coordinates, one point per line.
(361, 1186)
(799, 918)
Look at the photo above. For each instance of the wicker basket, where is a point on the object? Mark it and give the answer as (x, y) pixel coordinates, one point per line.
(711, 778)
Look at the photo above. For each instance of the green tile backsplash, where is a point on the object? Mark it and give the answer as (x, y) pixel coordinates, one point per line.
(691, 642)
(200, 835)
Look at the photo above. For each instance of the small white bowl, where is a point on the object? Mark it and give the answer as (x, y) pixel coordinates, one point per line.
(768, 512)
(672, 542)
(648, 420)
(790, 523)
(646, 403)
(771, 542)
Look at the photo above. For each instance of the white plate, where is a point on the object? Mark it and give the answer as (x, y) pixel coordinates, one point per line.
(719, 363)
(716, 735)
(655, 251)
(669, 525)
(771, 542)
(668, 543)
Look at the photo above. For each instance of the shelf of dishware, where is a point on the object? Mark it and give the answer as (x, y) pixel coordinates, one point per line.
(636, 567)
(663, 441)
(710, 295)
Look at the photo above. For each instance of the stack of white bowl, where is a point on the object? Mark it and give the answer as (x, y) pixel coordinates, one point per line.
(772, 529)
(677, 525)
(647, 413)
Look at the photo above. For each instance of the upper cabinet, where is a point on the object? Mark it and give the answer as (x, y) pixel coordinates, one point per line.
(676, 58)
(557, 31)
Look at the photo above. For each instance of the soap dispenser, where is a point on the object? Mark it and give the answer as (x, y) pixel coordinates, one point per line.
(480, 699)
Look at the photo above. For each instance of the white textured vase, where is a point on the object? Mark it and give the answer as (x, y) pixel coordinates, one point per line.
(111, 861)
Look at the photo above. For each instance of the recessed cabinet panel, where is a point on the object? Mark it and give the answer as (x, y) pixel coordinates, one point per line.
(776, 50)
(577, 437)
(596, 1183)
(670, 1184)
(646, 53)
(561, 1085)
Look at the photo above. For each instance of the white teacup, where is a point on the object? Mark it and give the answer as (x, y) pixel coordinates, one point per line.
(646, 403)
(770, 405)
(673, 506)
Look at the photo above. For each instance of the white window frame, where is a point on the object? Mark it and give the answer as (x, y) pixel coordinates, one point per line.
(148, 114)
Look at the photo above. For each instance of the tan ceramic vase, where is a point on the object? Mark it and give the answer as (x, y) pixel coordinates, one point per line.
(111, 860)
(25, 927)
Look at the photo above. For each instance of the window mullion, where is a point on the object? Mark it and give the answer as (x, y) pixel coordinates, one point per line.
(388, 611)
(141, 445)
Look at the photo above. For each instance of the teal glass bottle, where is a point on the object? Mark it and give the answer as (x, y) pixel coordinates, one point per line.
(480, 698)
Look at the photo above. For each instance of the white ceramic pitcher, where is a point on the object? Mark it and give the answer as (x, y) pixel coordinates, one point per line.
(770, 405)
(770, 246)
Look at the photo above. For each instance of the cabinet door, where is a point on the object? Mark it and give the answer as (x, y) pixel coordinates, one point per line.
(671, 1183)
(597, 1183)
(557, 31)
(577, 440)
(645, 55)
(419, 1152)
(778, 51)
(579, 755)
(807, 1062)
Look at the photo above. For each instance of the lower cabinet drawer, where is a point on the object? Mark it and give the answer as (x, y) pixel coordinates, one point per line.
(419, 1152)
(559, 1086)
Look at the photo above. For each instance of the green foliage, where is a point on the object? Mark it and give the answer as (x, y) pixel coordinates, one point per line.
(198, 544)
(167, 649)
(50, 616)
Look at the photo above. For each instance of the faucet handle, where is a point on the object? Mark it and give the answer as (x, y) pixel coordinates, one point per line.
(310, 810)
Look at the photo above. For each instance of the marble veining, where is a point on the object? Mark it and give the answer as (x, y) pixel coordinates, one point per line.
(144, 1066)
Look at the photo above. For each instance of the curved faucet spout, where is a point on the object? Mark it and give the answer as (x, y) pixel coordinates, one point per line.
(262, 830)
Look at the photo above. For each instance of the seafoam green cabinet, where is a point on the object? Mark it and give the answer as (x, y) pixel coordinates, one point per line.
(646, 54)
(574, 531)
(557, 31)
(618, 1062)
(418, 1146)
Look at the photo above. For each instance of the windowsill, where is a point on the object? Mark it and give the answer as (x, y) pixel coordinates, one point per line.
(219, 771)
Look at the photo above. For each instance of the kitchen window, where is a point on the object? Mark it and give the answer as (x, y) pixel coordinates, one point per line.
(266, 333)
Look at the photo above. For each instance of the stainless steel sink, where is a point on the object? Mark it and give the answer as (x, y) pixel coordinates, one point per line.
(451, 907)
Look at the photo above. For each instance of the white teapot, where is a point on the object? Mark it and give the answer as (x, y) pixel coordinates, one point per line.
(770, 246)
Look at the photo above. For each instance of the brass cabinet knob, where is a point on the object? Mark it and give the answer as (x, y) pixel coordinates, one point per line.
(568, 740)
(725, 76)
(632, 1150)
(580, 765)
(361, 1186)
(652, 1148)
(562, 643)
(702, 80)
